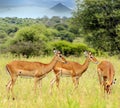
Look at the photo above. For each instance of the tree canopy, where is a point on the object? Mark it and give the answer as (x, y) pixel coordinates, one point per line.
(99, 20)
(29, 36)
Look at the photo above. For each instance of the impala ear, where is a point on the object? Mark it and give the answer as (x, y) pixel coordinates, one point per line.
(86, 53)
(58, 52)
(54, 50)
(90, 53)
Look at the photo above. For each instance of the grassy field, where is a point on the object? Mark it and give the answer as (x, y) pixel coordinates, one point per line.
(87, 95)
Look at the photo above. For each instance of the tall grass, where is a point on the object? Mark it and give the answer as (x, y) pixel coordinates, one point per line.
(87, 95)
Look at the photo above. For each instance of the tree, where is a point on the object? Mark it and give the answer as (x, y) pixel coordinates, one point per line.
(61, 26)
(30, 41)
(66, 35)
(3, 36)
(99, 21)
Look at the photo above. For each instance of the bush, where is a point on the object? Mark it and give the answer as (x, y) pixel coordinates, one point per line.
(27, 48)
(65, 35)
(68, 48)
(30, 41)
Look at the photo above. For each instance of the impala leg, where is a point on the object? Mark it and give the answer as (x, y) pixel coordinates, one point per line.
(40, 86)
(51, 84)
(100, 79)
(76, 82)
(104, 85)
(57, 81)
(58, 78)
(8, 83)
(36, 82)
(12, 85)
(8, 88)
(99, 76)
(109, 89)
(40, 83)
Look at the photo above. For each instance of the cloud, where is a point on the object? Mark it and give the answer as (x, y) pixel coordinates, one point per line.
(43, 3)
(31, 1)
(15, 8)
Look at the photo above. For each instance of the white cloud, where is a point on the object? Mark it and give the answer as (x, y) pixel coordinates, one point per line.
(42, 3)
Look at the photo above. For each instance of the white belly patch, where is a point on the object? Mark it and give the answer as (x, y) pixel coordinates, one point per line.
(65, 72)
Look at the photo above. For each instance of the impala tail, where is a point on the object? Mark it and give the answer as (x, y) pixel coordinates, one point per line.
(7, 69)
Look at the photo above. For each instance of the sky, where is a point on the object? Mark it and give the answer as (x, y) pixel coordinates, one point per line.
(30, 8)
(69, 3)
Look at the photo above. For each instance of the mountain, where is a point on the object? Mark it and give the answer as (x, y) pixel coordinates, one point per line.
(60, 8)
(33, 11)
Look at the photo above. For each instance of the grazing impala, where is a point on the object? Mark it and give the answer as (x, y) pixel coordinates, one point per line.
(37, 70)
(72, 69)
(106, 74)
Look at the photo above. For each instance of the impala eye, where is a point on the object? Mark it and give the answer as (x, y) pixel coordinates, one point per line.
(60, 56)
(91, 56)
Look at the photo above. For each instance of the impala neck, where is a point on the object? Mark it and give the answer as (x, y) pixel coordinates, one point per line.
(86, 64)
(49, 67)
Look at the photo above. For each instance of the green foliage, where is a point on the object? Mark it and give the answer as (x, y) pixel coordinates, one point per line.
(56, 19)
(68, 48)
(65, 35)
(9, 29)
(35, 33)
(30, 41)
(27, 48)
(99, 20)
(117, 39)
(60, 27)
(3, 36)
(26, 34)
(30, 37)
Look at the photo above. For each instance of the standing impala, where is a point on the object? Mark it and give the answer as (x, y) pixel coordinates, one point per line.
(37, 70)
(72, 69)
(106, 74)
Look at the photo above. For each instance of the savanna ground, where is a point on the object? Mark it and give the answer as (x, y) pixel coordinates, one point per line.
(87, 95)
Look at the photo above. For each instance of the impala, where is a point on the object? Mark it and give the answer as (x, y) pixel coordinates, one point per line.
(106, 74)
(37, 70)
(71, 69)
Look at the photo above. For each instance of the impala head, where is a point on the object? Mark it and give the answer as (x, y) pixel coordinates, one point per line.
(107, 87)
(59, 56)
(91, 57)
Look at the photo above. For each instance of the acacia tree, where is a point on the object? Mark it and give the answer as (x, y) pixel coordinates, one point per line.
(30, 41)
(99, 20)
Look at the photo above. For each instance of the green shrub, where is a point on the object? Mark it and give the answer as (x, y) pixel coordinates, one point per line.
(68, 48)
(65, 35)
(30, 41)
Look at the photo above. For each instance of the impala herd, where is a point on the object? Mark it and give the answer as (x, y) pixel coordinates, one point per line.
(61, 67)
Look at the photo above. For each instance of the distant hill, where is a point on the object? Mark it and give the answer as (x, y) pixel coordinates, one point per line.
(60, 8)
